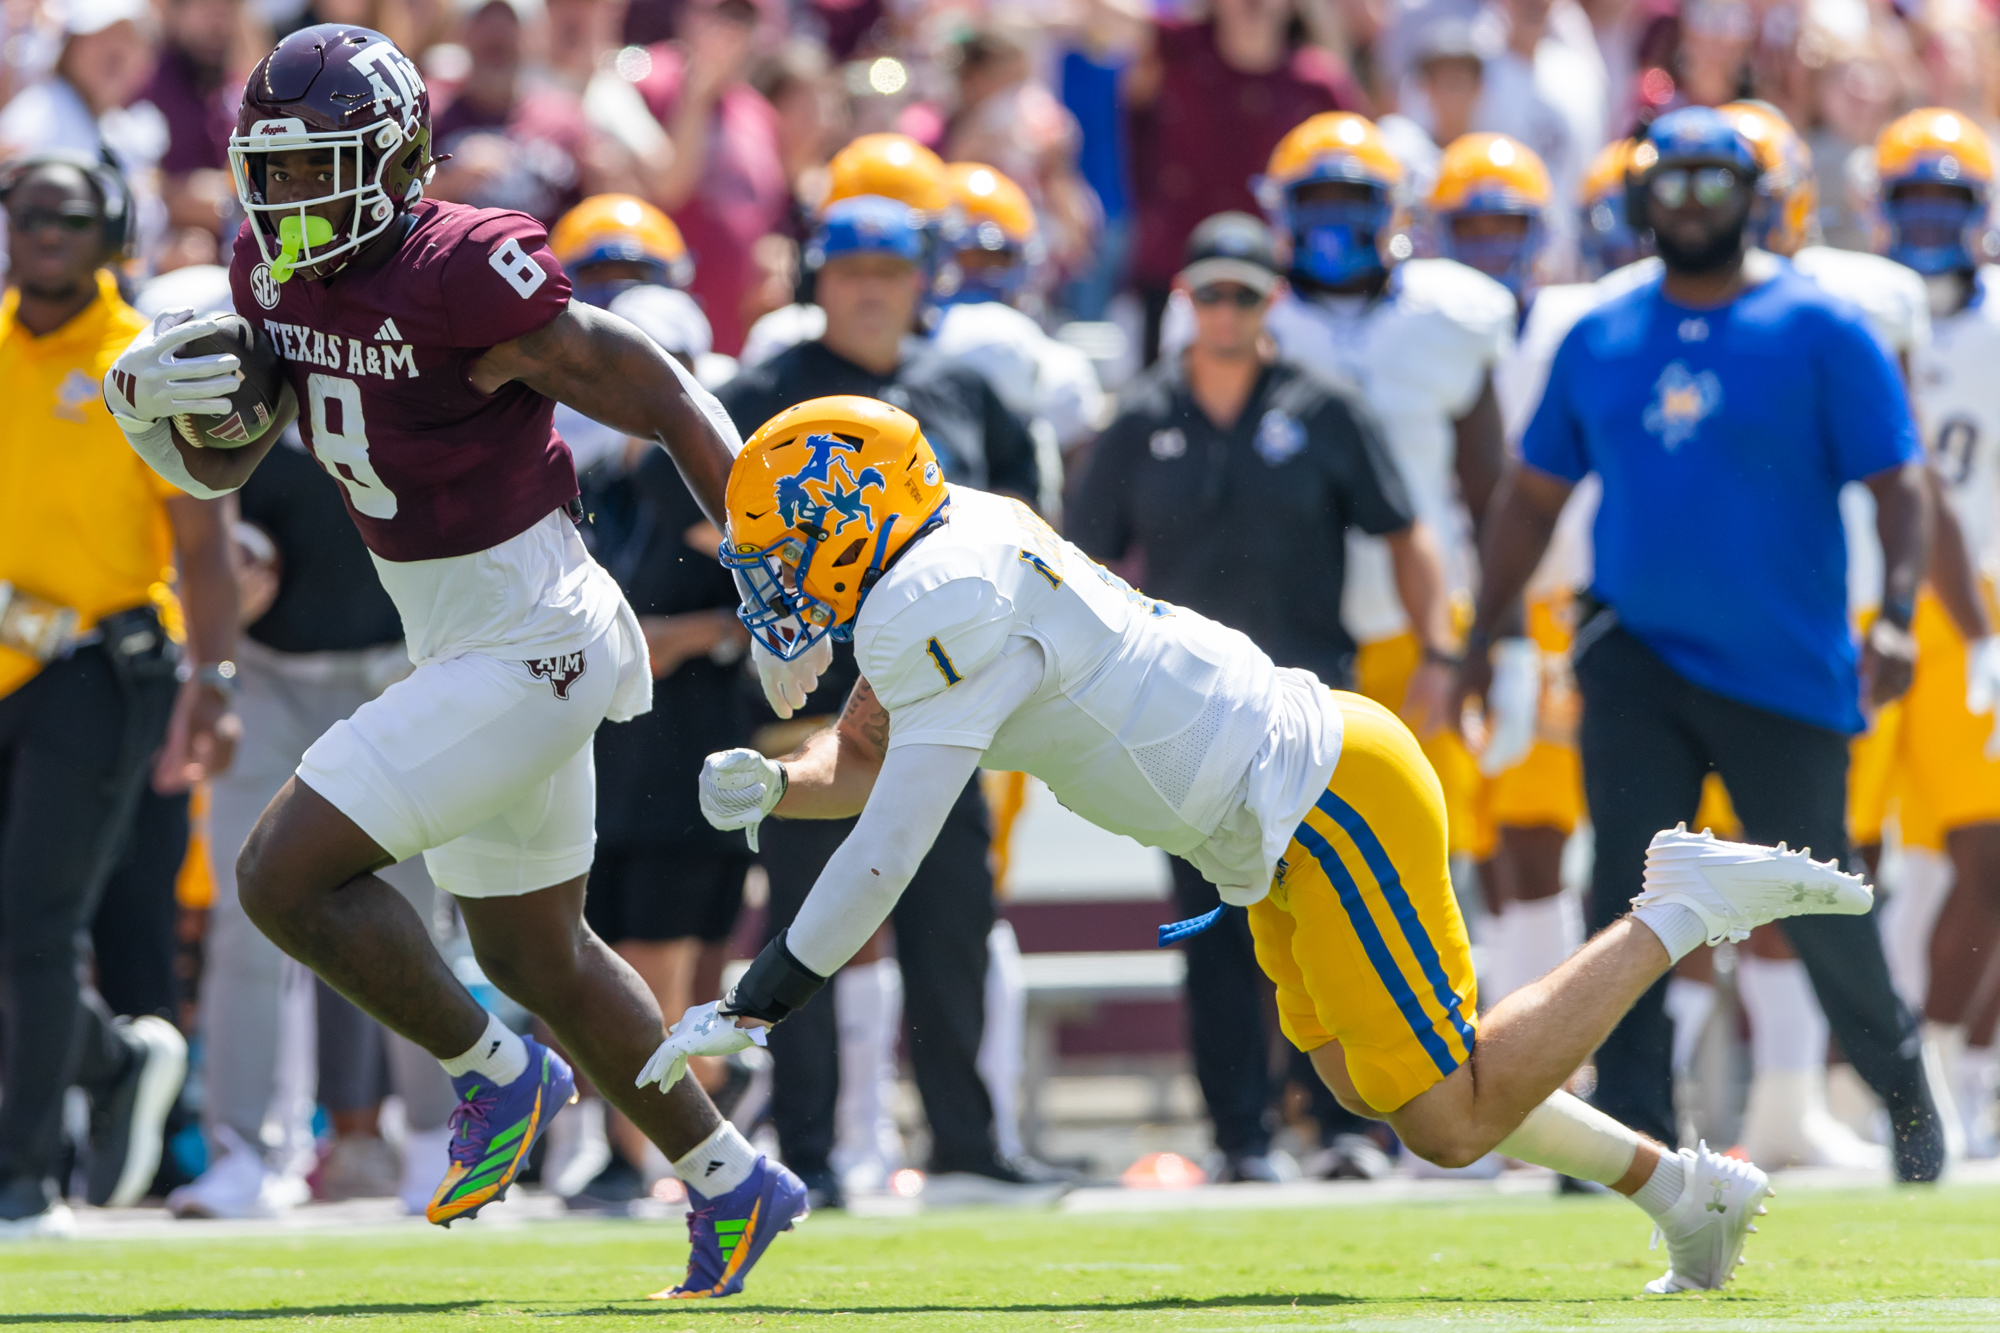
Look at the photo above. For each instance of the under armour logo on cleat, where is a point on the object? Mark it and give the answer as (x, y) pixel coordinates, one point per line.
(1716, 1205)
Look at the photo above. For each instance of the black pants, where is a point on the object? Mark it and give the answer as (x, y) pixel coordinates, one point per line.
(134, 933)
(941, 927)
(1649, 738)
(69, 773)
(1226, 1019)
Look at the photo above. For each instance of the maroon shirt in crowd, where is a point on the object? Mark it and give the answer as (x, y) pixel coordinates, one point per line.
(1210, 129)
(200, 113)
(743, 193)
(548, 133)
(429, 466)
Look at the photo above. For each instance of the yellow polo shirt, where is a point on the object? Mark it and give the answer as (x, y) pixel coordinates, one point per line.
(83, 521)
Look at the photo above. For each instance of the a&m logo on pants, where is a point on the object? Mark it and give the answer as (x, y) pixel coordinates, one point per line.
(560, 672)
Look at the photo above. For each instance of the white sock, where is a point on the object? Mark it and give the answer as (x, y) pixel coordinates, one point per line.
(1002, 1046)
(1689, 1003)
(1662, 1189)
(1544, 933)
(1787, 1027)
(1910, 915)
(868, 1012)
(1679, 928)
(1503, 957)
(1575, 1138)
(719, 1163)
(500, 1054)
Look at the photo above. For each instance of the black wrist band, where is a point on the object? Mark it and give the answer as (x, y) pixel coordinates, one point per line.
(1443, 658)
(775, 985)
(1899, 613)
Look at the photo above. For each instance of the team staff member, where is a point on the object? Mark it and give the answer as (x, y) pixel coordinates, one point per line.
(87, 684)
(665, 888)
(1233, 478)
(868, 257)
(1720, 640)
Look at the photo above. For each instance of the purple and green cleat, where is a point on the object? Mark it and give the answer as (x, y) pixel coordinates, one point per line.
(728, 1234)
(493, 1128)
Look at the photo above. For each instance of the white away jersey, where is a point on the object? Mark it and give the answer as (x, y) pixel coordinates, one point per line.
(1035, 375)
(1518, 383)
(1956, 384)
(1150, 720)
(1419, 357)
(1889, 294)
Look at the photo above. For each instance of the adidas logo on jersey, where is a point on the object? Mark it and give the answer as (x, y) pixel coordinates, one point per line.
(388, 333)
(295, 342)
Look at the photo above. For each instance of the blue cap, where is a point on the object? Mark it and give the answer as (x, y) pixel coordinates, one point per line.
(1698, 134)
(867, 225)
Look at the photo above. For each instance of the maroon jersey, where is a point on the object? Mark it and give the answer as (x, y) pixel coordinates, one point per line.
(430, 467)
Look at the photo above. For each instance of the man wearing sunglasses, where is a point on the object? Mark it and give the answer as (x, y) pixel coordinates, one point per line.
(1722, 405)
(1230, 482)
(87, 687)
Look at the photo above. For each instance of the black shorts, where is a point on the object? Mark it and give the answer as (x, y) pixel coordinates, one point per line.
(652, 892)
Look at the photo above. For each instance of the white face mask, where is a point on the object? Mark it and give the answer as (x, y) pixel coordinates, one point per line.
(1948, 292)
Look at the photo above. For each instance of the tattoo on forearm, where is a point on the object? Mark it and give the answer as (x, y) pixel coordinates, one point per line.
(865, 718)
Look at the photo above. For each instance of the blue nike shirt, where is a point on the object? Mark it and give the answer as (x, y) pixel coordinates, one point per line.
(1723, 438)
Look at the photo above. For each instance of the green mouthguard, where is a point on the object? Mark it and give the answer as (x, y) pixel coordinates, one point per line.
(294, 234)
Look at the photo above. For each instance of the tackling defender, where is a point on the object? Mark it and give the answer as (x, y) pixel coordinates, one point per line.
(423, 347)
(984, 638)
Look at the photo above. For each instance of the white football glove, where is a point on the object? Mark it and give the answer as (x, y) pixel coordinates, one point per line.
(701, 1031)
(787, 684)
(1512, 701)
(738, 788)
(1982, 685)
(147, 383)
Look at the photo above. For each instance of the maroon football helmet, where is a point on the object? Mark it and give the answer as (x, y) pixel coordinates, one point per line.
(345, 89)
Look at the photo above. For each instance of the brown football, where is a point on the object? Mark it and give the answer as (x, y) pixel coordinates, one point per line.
(254, 401)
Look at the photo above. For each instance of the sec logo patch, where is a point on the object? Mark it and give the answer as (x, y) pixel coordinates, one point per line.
(263, 286)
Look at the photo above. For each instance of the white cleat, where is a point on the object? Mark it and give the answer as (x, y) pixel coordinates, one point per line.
(1733, 886)
(1706, 1228)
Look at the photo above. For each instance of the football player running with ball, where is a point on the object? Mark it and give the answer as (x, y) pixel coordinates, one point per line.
(423, 348)
(985, 639)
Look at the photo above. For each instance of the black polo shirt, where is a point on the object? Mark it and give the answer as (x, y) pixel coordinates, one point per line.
(978, 441)
(1247, 525)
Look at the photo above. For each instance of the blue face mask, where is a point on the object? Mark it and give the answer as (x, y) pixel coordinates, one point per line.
(972, 285)
(1508, 260)
(1606, 238)
(1333, 241)
(1932, 235)
(602, 294)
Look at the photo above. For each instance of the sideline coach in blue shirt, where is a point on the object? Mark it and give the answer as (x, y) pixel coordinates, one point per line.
(1723, 406)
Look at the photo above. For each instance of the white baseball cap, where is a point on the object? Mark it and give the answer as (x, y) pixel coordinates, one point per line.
(667, 316)
(80, 18)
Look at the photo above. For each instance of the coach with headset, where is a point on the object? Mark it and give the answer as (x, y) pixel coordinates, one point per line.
(91, 646)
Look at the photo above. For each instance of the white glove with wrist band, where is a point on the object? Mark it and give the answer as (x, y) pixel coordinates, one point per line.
(701, 1031)
(1982, 685)
(147, 386)
(739, 788)
(1512, 703)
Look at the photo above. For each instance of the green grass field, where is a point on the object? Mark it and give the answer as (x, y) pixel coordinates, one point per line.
(1854, 1261)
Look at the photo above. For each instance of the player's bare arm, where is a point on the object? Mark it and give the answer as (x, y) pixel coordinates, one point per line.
(1480, 454)
(1952, 573)
(1526, 504)
(830, 776)
(1904, 516)
(599, 364)
(1420, 586)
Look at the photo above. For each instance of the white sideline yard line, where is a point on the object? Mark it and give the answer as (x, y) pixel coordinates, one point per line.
(366, 1217)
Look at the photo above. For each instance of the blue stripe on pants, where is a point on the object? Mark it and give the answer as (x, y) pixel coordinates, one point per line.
(1391, 884)
(1376, 947)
